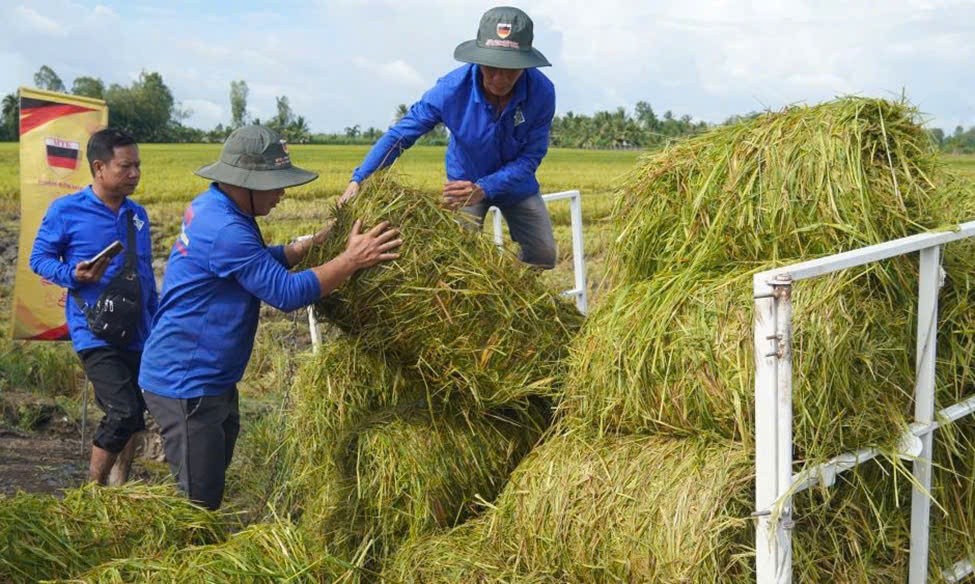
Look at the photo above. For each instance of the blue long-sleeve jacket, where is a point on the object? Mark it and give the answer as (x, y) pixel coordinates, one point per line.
(74, 229)
(218, 273)
(499, 153)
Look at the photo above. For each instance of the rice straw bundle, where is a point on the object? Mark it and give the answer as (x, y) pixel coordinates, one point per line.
(42, 536)
(674, 355)
(802, 183)
(460, 555)
(626, 508)
(472, 321)
(333, 393)
(649, 509)
(264, 552)
(411, 473)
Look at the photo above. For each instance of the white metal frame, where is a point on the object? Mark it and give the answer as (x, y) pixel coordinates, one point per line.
(774, 482)
(578, 257)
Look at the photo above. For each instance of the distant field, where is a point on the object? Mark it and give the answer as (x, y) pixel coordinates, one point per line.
(168, 184)
(965, 164)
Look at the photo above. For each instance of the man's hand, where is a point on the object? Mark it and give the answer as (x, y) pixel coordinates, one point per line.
(350, 191)
(365, 250)
(90, 272)
(295, 252)
(461, 193)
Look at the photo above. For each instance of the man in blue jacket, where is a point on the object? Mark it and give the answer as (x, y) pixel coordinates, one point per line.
(499, 111)
(218, 273)
(75, 228)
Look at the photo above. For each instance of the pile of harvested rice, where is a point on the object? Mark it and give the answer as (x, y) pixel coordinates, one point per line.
(373, 462)
(265, 552)
(650, 476)
(583, 508)
(46, 537)
(796, 184)
(468, 319)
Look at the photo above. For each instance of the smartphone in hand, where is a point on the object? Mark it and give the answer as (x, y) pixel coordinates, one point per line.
(112, 250)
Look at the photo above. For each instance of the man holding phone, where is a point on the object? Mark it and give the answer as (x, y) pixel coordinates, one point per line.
(77, 248)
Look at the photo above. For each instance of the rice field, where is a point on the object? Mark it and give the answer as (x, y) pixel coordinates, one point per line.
(580, 507)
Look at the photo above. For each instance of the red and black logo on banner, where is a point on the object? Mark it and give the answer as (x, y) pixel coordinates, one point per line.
(62, 153)
(36, 112)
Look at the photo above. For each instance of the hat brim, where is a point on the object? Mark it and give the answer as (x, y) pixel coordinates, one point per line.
(258, 180)
(469, 52)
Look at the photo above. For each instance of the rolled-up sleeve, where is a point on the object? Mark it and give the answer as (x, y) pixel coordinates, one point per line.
(238, 253)
(46, 258)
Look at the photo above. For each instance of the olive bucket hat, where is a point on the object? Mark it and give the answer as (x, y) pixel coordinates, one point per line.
(504, 40)
(255, 157)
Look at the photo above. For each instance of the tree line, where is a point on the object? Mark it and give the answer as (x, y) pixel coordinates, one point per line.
(148, 110)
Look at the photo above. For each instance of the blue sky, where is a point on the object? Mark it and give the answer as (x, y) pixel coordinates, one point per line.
(345, 62)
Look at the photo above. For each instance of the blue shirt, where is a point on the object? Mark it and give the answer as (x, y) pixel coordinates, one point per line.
(217, 275)
(499, 153)
(74, 229)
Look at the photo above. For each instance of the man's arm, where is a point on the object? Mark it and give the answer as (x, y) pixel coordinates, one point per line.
(239, 254)
(423, 116)
(49, 247)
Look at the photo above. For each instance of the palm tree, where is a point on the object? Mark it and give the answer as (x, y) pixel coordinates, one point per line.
(298, 131)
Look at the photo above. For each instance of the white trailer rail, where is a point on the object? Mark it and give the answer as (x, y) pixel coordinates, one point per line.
(578, 255)
(579, 291)
(774, 482)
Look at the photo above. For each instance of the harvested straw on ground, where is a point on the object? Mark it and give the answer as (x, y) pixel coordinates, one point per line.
(334, 391)
(472, 321)
(42, 536)
(461, 555)
(407, 474)
(650, 509)
(802, 183)
(626, 508)
(264, 552)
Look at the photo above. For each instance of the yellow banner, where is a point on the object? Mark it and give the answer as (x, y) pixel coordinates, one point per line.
(54, 132)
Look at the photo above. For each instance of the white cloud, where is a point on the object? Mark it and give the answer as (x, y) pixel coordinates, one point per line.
(345, 62)
(206, 112)
(398, 72)
(38, 22)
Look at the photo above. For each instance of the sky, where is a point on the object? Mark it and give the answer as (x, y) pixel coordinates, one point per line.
(346, 62)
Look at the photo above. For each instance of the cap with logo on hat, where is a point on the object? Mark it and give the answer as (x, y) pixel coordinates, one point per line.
(256, 158)
(504, 40)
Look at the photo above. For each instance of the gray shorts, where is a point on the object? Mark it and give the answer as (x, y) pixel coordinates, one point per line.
(199, 435)
(530, 226)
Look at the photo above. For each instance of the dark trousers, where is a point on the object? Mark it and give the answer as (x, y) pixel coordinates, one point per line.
(114, 373)
(199, 435)
(530, 226)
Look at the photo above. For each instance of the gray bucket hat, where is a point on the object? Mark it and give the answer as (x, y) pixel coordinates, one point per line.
(255, 157)
(504, 40)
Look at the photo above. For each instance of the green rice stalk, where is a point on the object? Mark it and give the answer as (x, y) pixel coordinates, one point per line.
(42, 536)
(407, 474)
(474, 322)
(675, 355)
(264, 552)
(334, 392)
(626, 508)
(648, 509)
(461, 555)
(801, 183)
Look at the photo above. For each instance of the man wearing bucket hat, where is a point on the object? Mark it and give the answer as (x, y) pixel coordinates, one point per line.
(218, 273)
(499, 110)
